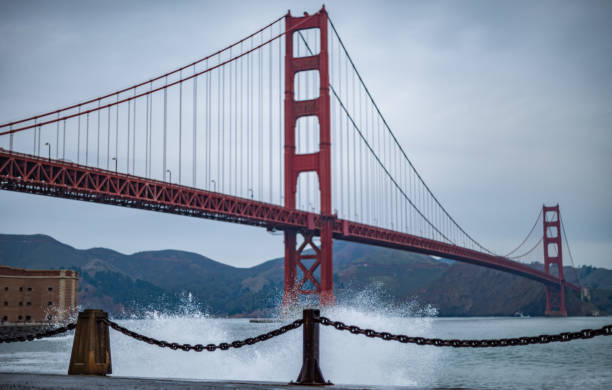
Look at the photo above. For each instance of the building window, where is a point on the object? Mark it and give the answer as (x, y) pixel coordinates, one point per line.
(29, 304)
(49, 303)
(28, 318)
(20, 303)
(50, 288)
(5, 303)
(5, 318)
(5, 288)
(20, 318)
(20, 288)
(29, 288)
(49, 317)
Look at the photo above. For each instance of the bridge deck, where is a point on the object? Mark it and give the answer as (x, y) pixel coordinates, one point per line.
(30, 174)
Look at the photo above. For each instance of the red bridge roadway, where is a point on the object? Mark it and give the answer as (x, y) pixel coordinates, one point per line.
(34, 175)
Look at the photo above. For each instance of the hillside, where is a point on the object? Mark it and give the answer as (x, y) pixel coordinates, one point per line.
(161, 280)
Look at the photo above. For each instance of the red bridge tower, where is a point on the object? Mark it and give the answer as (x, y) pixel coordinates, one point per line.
(553, 254)
(319, 162)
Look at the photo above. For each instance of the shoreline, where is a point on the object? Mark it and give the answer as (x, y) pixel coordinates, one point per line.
(22, 381)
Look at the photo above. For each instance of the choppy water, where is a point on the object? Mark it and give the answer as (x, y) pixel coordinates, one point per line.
(346, 358)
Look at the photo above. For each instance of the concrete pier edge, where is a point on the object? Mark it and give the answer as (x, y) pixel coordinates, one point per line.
(23, 380)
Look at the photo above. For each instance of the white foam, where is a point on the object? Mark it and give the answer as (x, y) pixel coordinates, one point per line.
(345, 358)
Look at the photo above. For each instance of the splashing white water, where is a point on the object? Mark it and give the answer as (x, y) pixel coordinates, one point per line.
(345, 358)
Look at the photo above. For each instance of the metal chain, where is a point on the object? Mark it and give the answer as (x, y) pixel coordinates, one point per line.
(41, 335)
(210, 347)
(474, 343)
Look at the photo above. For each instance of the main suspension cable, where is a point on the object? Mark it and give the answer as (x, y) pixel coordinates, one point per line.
(569, 250)
(372, 150)
(529, 251)
(192, 64)
(528, 235)
(150, 91)
(400, 147)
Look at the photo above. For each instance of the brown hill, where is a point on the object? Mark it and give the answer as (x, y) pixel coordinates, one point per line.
(169, 280)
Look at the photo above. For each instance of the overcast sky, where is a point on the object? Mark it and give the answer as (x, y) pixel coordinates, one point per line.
(501, 106)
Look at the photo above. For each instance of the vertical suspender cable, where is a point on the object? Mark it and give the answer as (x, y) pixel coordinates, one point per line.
(250, 121)
(280, 115)
(242, 97)
(366, 168)
(339, 135)
(87, 139)
(129, 120)
(398, 202)
(348, 184)
(180, 139)
(209, 92)
(147, 118)
(405, 203)
(134, 137)
(150, 162)
(64, 141)
(361, 192)
(208, 127)
(98, 138)
(221, 179)
(270, 127)
(354, 151)
(230, 129)
(108, 137)
(260, 121)
(56, 135)
(394, 208)
(235, 144)
(380, 203)
(195, 129)
(218, 160)
(39, 136)
(165, 135)
(117, 131)
(34, 140)
(78, 136)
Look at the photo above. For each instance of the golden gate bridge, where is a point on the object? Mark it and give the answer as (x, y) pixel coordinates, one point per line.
(277, 130)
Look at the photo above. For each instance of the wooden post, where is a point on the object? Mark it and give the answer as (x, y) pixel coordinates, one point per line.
(311, 373)
(91, 353)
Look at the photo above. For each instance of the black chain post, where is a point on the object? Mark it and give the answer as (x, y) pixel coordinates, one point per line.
(310, 374)
(91, 353)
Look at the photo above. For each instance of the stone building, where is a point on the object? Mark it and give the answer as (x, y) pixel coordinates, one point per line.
(37, 296)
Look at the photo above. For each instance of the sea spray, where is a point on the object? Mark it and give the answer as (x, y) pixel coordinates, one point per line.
(345, 358)
(349, 358)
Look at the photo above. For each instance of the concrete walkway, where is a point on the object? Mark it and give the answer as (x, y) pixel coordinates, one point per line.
(22, 381)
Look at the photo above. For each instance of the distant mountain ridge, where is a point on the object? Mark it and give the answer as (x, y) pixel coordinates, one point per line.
(159, 280)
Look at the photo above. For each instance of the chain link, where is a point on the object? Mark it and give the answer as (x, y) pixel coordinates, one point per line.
(209, 347)
(474, 343)
(30, 337)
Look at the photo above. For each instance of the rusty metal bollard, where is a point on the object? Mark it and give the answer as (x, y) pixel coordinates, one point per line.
(311, 373)
(91, 353)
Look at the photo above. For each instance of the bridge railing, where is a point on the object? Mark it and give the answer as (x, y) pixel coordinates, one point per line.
(91, 352)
